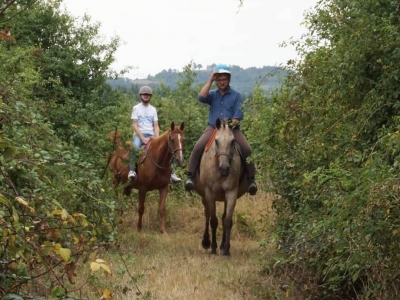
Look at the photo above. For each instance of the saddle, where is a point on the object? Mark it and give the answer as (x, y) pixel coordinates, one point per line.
(144, 150)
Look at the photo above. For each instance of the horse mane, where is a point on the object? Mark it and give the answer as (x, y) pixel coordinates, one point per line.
(156, 142)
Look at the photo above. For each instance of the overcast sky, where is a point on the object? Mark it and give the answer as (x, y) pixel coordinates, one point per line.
(168, 34)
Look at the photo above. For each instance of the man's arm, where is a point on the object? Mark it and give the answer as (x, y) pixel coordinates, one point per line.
(136, 129)
(206, 88)
(156, 129)
(238, 114)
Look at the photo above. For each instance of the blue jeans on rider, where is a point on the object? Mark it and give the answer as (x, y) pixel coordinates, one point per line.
(137, 143)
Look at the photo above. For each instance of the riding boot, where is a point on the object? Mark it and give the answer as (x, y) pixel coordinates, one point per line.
(189, 184)
(252, 187)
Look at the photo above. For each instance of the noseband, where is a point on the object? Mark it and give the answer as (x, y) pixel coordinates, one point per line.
(228, 155)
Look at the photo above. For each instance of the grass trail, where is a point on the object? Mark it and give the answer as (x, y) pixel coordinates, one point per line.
(149, 265)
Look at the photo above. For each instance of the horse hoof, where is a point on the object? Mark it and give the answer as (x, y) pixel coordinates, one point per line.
(206, 244)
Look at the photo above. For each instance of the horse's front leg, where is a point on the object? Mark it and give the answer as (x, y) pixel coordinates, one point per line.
(163, 197)
(223, 231)
(214, 225)
(142, 198)
(205, 242)
(230, 203)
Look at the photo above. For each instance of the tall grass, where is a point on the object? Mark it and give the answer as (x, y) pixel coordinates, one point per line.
(149, 265)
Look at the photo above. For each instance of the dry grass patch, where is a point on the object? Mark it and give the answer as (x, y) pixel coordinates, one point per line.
(149, 265)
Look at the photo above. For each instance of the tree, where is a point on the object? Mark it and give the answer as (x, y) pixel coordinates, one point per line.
(53, 205)
(331, 137)
(74, 62)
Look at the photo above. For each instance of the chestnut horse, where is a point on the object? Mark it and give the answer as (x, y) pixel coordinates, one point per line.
(153, 168)
(221, 177)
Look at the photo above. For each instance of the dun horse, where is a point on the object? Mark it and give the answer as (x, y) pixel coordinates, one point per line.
(221, 177)
(153, 168)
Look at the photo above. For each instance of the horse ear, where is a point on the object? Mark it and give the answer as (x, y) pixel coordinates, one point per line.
(172, 125)
(182, 126)
(218, 123)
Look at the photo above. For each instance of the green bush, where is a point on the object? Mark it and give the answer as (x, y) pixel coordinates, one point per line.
(330, 144)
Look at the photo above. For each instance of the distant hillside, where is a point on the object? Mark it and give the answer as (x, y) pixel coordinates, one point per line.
(243, 80)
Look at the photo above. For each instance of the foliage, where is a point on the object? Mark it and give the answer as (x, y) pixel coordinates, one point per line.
(330, 136)
(74, 63)
(55, 210)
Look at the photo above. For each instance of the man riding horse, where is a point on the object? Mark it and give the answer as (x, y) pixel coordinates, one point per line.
(225, 103)
(145, 125)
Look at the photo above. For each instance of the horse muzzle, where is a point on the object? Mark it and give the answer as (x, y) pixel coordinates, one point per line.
(178, 160)
(224, 170)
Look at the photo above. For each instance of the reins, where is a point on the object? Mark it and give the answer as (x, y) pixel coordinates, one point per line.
(172, 152)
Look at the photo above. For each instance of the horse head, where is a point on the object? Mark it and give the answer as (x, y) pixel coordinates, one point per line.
(176, 142)
(224, 147)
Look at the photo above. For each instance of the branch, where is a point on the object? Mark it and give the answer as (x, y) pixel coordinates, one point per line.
(7, 6)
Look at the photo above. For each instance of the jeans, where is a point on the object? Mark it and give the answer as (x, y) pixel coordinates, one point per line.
(137, 143)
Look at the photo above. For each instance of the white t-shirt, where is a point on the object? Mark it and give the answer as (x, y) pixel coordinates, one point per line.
(146, 115)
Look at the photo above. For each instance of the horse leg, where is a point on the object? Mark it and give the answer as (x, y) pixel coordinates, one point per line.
(116, 181)
(163, 196)
(227, 222)
(213, 222)
(142, 197)
(205, 242)
(223, 231)
(214, 225)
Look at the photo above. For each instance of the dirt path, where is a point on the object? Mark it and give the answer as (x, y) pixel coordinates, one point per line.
(174, 266)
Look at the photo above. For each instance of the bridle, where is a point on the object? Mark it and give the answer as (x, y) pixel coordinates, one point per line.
(171, 149)
(228, 155)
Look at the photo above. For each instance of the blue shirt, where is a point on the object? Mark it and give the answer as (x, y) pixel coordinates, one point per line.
(227, 106)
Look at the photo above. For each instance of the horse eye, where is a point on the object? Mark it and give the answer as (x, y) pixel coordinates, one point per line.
(216, 142)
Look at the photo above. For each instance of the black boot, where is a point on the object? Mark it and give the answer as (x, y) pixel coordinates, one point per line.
(252, 187)
(189, 184)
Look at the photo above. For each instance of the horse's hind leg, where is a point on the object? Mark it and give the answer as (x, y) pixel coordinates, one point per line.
(214, 225)
(142, 197)
(205, 242)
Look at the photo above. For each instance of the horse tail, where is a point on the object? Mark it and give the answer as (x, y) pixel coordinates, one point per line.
(112, 134)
